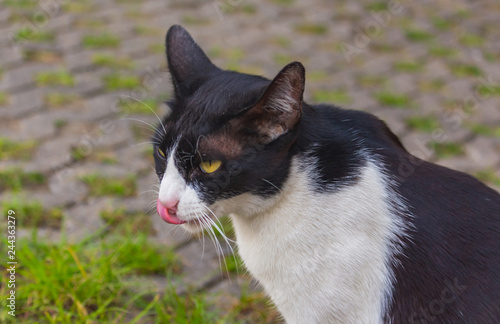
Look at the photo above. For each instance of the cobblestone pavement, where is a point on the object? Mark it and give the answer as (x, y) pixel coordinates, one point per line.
(73, 74)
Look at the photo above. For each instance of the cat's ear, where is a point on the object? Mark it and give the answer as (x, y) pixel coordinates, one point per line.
(187, 62)
(280, 107)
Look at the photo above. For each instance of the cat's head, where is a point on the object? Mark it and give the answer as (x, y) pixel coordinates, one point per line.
(226, 146)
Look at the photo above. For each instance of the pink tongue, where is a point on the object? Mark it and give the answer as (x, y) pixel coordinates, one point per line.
(163, 212)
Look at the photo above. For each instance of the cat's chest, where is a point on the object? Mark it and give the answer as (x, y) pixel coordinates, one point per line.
(322, 257)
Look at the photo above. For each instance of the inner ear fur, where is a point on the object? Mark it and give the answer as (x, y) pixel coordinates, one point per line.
(280, 107)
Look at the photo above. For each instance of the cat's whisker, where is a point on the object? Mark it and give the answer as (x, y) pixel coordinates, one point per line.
(272, 184)
(152, 110)
(220, 252)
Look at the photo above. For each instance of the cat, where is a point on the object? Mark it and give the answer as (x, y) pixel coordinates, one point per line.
(334, 218)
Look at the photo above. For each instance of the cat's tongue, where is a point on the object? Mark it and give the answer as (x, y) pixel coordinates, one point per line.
(166, 216)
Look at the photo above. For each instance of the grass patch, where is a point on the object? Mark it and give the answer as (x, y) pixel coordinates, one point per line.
(117, 81)
(86, 283)
(4, 99)
(471, 40)
(317, 76)
(106, 186)
(335, 96)
(30, 213)
(10, 150)
(442, 24)
(282, 59)
(283, 2)
(194, 21)
(423, 123)
(442, 51)
(42, 56)
(464, 70)
(393, 99)
(408, 66)
(57, 99)
(105, 40)
(432, 85)
(20, 4)
(484, 130)
(370, 81)
(488, 176)
(486, 91)
(146, 31)
(418, 35)
(157, 48)
(16, 179)
(376, 6)
(282, 41)
(112, 61)
(312, 29)
(143, 107)
(125, 221)
(55, 78)
(33, 35)
(446, 149)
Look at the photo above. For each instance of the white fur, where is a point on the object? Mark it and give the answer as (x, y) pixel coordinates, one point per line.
(322, 257)
(173, 187)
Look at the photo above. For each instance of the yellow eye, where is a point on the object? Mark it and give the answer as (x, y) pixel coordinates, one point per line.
(210, 166)
(161, 153)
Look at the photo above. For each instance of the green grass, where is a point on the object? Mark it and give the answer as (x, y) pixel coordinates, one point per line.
(117, 81)
(431, 85)
(282, 59)
(195, 21)
(42, 56)
(33, 35)
(131, 106)
(122, 220)
(464, 70)
(31, 213)
(442, 51)
(408, 66)
(334, 96)
(423, 123)
(393, 99)
(4, 99)
(311, 29)
(16, 179)
(100, 185)
(417, 35)
(10, 150)
(484, 130)
(146, 31)
(488, 176)
(471, 40)
(105, 40)
(317, 76)
(86, 283)
(283, 2)
(282, 41)
(55, 78)
(446, 149)
(376, 6)
(370, 81)
(112, 61)
(57, 99)
(442, 24)
(486, 91)
(20, 4)
(60, 123)
(156, 48)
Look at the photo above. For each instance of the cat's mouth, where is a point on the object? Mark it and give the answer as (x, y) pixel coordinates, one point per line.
(170, 215)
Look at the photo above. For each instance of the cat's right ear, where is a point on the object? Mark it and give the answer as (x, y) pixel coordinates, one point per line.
(187, 62)
(280, 108)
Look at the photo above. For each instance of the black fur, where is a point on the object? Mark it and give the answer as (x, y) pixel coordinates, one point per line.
(449, 270)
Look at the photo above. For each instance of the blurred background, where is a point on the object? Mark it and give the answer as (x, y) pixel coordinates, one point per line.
(81, 81)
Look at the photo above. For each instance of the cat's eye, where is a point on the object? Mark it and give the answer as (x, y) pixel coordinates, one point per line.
(161, 153)
(210, 166)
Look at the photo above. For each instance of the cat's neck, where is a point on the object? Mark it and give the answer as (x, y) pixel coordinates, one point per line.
(332, 249)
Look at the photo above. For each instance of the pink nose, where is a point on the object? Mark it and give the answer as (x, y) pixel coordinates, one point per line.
(168, 212)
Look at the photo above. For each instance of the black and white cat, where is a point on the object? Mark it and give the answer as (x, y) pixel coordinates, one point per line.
(337, 221)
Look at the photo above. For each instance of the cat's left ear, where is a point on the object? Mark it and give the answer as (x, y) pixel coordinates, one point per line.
(280, 107)
(187, 62)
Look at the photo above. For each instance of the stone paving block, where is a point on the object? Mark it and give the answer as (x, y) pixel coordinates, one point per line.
(482, 153)
(37, 126)
(22, 77)
(84, 220)
(22, 104)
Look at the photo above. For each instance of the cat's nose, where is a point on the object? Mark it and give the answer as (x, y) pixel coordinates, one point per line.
(168, 211)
